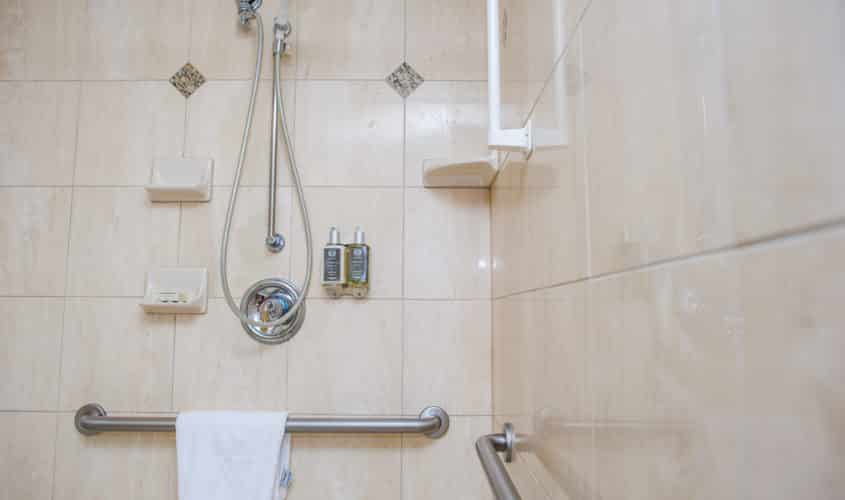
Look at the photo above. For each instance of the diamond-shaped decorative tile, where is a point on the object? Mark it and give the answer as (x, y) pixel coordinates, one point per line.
(404, 80)
(187, 80)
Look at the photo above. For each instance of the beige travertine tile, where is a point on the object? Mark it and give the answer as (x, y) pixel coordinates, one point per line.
(688, 151)
(446, 467)
(347, 358)
(349, 133)
(117, 355)
(351, 40)
(117, 235)
(794, 403)
(540, 354)
(335, 467)
(28, 441)
(447, 356)
(30, 333)
(379, 214)
(636, 158)
(216, 117)
(224, 49)
(539, 218)
(447, 39)
(114, 465)
(123, 127)
(126, 40)
(40, 114)
(33, 240)
(41, 39)
(447, 243)
(669, 372)
(787, 116)
(218, 366)
(249, 259)
(445, 121)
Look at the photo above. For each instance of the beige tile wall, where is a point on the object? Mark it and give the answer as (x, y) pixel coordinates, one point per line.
(666, 286)
(85, 107)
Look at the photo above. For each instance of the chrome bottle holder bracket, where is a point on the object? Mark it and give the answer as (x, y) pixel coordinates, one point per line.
(269, 300)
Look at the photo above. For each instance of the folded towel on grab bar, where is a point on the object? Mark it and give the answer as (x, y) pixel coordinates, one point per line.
(232, 455)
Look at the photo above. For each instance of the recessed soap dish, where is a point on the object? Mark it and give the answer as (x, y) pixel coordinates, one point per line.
(181, 290)
(180, 179)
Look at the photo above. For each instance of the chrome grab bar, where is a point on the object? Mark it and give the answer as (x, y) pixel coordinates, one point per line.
(433, 422)
(488, 448)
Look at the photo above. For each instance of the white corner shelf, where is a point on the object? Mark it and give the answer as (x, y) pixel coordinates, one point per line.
(176, 290)
(475, 172)
(181, 179)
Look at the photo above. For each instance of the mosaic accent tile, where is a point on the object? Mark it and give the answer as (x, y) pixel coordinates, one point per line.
(187, 80)
(404, 80)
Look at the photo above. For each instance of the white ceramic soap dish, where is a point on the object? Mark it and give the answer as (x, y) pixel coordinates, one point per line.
(179, 290)
(180, 179)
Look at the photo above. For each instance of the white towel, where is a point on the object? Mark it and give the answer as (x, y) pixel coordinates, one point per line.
(232, 455)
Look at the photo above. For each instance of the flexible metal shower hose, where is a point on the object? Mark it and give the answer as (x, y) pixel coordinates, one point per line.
(233, 198)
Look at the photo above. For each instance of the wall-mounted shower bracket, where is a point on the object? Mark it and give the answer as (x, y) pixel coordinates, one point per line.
(246, 9)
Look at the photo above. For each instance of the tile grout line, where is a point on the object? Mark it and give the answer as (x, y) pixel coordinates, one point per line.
(179, 229)
(67, 283)
(781, 238)
(403, 265)
(244, 80)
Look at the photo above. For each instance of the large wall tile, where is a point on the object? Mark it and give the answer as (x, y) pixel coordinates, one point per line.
(33, 240)
(28, 441)
(446, 467)
(117, 235)
(447, 39)
(668, 371)
(128, 40)
(688, 151)
(539, 206)
(352, 40)
(123, 127)
(445, 121)
(347, 358)
(787, 117)
(41, 39)
(642, 208)
(340, 467)
(249, 259)
(218, 366)
(540, 354)
(447, 243)
(30, 336)
(349, 133)
(793, 325)
(117, 355)
(216, 117)
(379, 214)
(44, 114)
(224, 49)
(114, 465)
(447, 356)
